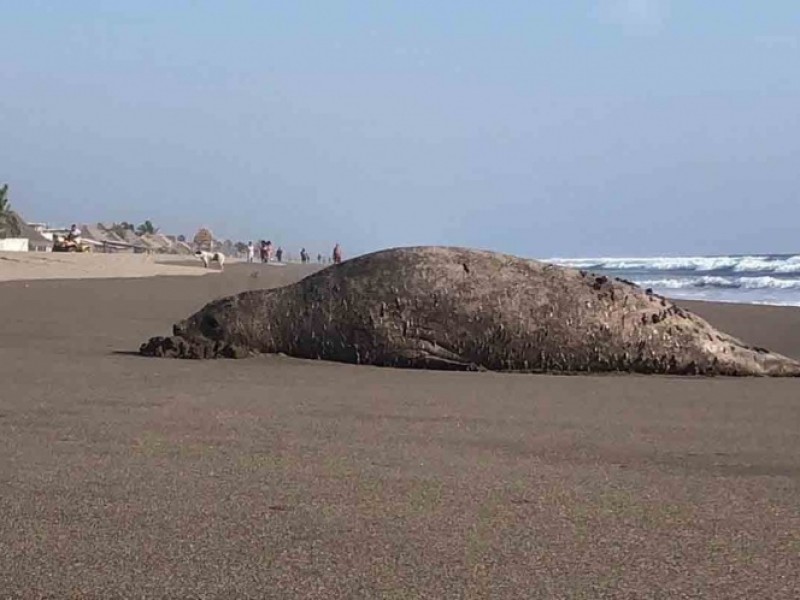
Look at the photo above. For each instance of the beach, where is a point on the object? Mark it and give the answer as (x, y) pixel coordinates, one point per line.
(273, 477)
(24, 266)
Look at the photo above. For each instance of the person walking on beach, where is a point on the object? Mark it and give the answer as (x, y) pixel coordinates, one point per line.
(251, 251)
(279, 254)
(337, 254)
(303, 256)
(267, 251)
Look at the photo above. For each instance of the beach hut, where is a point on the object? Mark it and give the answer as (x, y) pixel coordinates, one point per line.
(129, 237)
(158, 243)
(19, 236)
(103, 240)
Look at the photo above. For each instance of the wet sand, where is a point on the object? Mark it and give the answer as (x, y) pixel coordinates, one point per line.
(273, 477)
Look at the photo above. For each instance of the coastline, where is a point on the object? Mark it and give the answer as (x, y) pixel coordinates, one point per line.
(768, 279)
(775, 327)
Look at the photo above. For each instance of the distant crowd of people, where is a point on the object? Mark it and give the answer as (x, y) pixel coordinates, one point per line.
(265, 252)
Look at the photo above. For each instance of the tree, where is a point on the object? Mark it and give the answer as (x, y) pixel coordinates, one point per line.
(120, 228)
(241, 247)
(182, 238)
(8, 226)
(5, 212)
(5, 205)
(204, 238)
(146, 227)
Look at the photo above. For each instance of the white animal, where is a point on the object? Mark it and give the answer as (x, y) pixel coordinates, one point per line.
(209, 257)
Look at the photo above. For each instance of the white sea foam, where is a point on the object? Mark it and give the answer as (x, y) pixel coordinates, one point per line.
(747, 283)
(786, 265)
(778, 264)
(753, 279)
(777, 303)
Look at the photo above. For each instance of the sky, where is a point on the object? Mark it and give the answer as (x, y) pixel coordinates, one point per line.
(538, 128)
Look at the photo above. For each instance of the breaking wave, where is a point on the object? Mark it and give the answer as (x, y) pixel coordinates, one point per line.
(775, 263)
(747, 283)
(752, 279)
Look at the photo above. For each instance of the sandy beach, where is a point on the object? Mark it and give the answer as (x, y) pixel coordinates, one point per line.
(273, 477)
(23, 266)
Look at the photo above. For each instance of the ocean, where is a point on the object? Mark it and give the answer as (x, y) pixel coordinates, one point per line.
(748, 279)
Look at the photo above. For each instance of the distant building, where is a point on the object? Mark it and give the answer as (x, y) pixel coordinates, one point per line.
(22, 236)
(204, 239)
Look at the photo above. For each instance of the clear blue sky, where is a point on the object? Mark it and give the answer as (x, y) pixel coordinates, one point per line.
(541, 128)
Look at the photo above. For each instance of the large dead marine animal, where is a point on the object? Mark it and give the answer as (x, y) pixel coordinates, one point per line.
(451, 308)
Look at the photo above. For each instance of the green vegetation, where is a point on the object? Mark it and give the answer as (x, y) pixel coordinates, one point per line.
(5, 206)
(9, 225)
(146, 227)
(119, 229)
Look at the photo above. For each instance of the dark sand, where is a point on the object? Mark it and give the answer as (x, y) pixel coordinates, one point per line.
(126, 477)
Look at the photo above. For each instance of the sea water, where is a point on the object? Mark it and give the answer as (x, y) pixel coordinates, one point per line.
(749, 279)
